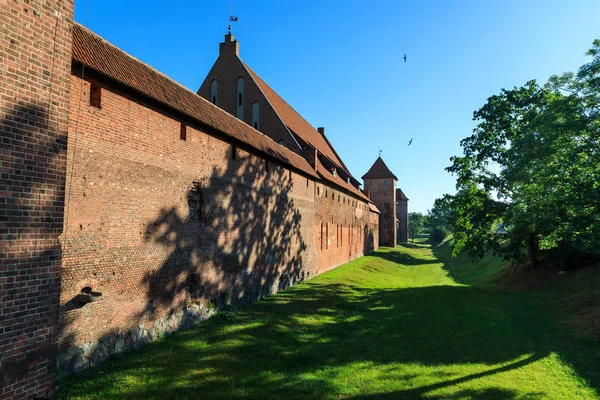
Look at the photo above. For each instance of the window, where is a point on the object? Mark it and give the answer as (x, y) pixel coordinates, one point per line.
(240, 97)
(255, 115)
(95, 95)
(214, 88)
(322, 235)
(281, 142)
(385, 182)
(318, 190)
(234, 152)
(183, 131)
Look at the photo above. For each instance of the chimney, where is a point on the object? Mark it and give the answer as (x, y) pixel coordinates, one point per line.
(321, 130)
(229, 46)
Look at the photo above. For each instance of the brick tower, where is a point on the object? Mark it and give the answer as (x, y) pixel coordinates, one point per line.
(35, 71)
(381, 183)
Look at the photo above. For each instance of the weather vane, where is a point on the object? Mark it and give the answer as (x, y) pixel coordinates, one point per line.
(380, 153)
(231, 19)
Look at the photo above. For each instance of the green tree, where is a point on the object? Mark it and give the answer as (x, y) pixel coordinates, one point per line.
(416, 223)
(535, 149)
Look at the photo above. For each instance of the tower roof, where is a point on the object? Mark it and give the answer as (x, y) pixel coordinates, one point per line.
(379, 170)
(400, 195)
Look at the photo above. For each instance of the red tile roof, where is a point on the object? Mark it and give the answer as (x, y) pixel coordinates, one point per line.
(96, 53)
(400, 195)
(295, 122)
(374, 208)
(379, 170)
(328, 176)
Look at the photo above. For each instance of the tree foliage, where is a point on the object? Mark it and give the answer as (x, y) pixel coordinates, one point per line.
(416, 223)
(536, 149)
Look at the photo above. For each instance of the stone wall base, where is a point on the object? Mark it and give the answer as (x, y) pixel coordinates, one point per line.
(78, 358)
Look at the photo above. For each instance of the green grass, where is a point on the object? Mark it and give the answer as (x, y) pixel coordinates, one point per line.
(400, 323)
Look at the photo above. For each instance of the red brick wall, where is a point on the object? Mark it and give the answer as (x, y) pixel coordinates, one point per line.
(383, 196)
(155, 222)
(343, 229)
(35, 58)
(226, 70)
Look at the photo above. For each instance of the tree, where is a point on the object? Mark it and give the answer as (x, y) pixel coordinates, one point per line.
(416, 223)
(536, 149)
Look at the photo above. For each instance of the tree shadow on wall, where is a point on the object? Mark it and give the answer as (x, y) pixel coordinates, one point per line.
(32, 175)
(240, 239)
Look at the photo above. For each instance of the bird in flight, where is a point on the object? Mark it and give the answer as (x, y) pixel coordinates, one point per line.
(409, 143)
(404, 57)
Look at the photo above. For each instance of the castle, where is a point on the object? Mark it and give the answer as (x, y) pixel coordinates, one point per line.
(133, 207)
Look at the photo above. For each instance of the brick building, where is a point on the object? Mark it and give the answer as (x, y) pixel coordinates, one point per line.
(163, 203)
(402, 215)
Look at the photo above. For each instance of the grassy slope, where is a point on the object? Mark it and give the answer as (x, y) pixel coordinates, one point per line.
(401, 323)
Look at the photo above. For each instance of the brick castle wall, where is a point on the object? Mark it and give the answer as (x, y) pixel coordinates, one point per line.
(160, 225)
(35, 58)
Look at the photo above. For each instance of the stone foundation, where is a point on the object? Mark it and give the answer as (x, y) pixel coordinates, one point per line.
(78, 358)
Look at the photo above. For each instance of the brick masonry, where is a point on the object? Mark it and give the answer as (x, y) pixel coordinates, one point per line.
(383, 194)
(157, 224)
(35, 59)
(164, 219)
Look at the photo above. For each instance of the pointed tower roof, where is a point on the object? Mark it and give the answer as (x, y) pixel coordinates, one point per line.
(379, 170)
(400, 195)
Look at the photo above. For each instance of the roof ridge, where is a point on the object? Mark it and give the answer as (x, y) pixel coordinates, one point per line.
(216, 108)
(223, 122)
(139, 61)
(252, 74)
(255, 76)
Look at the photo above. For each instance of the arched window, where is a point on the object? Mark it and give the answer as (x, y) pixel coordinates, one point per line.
(240, 98)
(281, 142)
(214, 87)
(255, 115)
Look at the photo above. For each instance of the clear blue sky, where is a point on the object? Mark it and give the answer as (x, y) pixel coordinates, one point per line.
(339, 64)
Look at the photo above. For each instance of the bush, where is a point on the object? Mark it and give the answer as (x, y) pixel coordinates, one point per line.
(437, 235)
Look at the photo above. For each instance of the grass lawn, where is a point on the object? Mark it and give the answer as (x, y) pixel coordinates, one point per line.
(400, 323)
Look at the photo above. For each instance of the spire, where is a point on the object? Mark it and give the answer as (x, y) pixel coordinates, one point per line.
(379, 170)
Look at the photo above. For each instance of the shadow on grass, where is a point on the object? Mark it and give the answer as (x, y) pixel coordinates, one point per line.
(399, 257)
(309, 341)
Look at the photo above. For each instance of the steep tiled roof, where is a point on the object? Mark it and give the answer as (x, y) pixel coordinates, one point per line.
(328, 176)
(295, 122)
(379, 170)
(400, 195)
(374, 208)
(96, 53)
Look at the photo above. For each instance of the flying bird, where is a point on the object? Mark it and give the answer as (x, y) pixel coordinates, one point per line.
(404, 57)
(409, 143)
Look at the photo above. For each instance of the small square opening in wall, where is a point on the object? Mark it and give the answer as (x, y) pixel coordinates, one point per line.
(95, 95)
(183, 131)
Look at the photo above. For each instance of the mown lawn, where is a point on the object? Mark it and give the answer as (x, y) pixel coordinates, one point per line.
(400, 323)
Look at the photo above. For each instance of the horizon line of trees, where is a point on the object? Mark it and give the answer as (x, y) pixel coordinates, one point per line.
(528, 182)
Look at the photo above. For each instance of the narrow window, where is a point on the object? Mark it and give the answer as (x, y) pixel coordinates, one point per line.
(214, 88)
(255, 115)
(240, 97)
(267, 165)
(234, 152)
(318, 190)
(290, 174)
(183, 131)
(326, 235)
(95, 95)
(322, 235)
(307, 182)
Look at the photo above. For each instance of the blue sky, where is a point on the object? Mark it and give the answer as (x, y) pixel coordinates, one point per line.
(339, 64)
